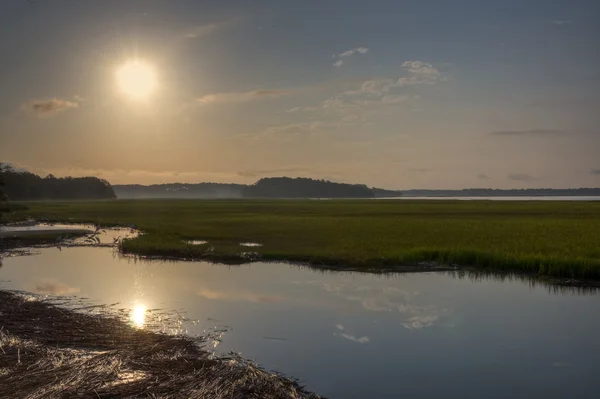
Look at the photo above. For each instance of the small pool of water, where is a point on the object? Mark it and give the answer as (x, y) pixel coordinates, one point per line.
(104, 236)
(353, 335)
(196, 242)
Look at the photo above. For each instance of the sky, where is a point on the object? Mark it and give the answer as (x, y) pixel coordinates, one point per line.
(394, 94)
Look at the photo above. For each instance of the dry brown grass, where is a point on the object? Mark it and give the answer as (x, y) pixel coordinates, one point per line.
(48, 351)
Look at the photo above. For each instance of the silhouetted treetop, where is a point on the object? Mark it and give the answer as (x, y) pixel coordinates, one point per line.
(286, 187)
(19, 186)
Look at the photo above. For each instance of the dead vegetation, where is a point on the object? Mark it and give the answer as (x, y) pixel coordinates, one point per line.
(49, 351)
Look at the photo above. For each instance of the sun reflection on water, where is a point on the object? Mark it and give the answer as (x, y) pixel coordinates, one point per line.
(138, 315)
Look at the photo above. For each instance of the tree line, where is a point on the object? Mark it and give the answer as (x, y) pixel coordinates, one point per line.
(26, 186)
(301, 187)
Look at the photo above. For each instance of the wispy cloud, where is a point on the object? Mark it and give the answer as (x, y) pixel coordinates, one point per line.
(348, 53)
(269, 172)
(561, 22)
(350, 337)
(243, 96)
(383, 91)
(420, 72)
(595, 171)
(531, 132)
(481, 176)
(419, 170)
(208, 29)
(521, 177)
(49, 107)
(300, 128)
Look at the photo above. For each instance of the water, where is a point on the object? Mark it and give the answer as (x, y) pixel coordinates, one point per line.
(514, 198)
(351, 335)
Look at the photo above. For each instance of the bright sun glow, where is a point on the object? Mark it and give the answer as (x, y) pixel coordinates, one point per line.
(138, 315)
(137, 79)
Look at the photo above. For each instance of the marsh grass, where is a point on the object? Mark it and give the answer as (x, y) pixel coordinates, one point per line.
(48, 351)
(546, 238)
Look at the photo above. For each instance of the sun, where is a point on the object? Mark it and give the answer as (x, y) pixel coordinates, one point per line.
(137, 79)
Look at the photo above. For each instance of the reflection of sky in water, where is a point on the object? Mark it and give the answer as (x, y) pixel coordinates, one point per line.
(352, 335)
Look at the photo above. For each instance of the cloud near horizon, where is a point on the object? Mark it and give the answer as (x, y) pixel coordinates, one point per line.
(242, 96)
(208, 29)
(521, 177)
(266, 172)
(530, 132)
(49, 107)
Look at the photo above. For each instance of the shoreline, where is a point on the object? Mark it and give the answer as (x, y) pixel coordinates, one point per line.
(24, 243)
(49, 350)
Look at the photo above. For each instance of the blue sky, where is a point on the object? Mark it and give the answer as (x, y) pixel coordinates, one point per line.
(399, 94)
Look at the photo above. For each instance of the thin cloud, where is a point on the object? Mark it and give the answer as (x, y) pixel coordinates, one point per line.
(208, 29)
(420, 72)
(595, 172)
(419, 170)
(296, 128)
(481, 176)
(521, 177)
(49, 107)
(359, 50)
(241, 97)
(530, 132)
(267, 172)
(561, 22)
(348, 53)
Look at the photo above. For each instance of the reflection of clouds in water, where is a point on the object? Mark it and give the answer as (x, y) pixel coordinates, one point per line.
(53, 287)
(350, 337)
(422, 321)
(387, 299)
(243, 296)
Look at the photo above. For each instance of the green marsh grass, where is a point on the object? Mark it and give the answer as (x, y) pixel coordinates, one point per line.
(547, 238)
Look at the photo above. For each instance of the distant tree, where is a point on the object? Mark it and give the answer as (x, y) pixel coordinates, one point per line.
(301, 187)
(3, 196)
(19, 186)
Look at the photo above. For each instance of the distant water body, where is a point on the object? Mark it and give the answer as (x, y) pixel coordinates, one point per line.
(513, 198)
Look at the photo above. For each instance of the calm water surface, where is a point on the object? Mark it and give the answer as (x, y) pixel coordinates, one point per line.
(351, 335)
(507, 198)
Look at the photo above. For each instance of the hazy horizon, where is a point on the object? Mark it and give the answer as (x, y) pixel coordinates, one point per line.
(396, 95)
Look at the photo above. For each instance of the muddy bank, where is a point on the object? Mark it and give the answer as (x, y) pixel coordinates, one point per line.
(47, 351)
